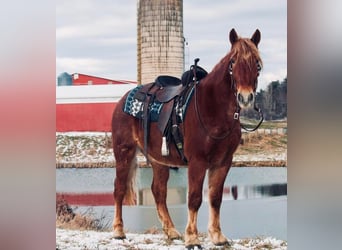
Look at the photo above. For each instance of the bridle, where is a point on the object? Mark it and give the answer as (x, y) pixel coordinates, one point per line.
(230, 71)
(233, 86)
(237, 109)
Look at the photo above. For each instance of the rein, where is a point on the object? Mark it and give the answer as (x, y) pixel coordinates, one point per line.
(224, 135)
(236, 114)
(259, 123)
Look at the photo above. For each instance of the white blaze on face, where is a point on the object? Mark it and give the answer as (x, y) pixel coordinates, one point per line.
(245, 98)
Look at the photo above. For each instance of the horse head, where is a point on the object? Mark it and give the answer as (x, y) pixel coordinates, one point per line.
(244, 67)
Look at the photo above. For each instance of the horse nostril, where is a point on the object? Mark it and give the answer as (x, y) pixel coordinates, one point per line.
(250, 97)
(240, 98)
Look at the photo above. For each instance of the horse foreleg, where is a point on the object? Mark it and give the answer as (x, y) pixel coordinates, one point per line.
(196, 174)
(216, 182)
(159, 190)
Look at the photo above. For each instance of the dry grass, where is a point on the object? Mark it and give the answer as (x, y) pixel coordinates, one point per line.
(274, 124)
(254, 143)
(66, 218)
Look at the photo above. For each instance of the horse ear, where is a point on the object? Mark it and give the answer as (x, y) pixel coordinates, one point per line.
(256, 37)
(233, 36)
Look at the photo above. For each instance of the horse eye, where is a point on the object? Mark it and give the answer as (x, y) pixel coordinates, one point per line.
(258, 66)
(230, 69)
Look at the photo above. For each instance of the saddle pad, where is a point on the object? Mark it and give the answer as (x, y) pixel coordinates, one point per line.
(135, 106)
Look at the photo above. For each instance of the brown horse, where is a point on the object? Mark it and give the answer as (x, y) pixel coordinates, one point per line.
(212, 133)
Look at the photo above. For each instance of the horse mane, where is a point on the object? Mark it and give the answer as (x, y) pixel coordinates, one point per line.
(243, 50)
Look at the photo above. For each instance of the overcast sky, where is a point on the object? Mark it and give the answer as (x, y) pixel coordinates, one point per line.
(99, 37)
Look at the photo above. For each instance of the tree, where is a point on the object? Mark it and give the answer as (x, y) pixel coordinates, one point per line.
(272, 101)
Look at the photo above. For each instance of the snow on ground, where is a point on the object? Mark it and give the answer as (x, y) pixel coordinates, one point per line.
(276, 156)
(74, 239)
(95, 147)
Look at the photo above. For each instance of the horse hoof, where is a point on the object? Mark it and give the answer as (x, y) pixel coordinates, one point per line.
(119, 237)
(220, 244)
(193, 247)
(174, 235)
(217, 238)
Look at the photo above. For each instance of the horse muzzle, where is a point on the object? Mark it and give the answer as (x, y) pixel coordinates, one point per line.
(245, 99)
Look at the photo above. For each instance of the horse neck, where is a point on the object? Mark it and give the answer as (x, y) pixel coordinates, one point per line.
(216, 95)
(218, 84)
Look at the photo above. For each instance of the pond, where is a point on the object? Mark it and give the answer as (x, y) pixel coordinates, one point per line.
(254, 199)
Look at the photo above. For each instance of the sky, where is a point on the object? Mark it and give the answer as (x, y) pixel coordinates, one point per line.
(100, 37)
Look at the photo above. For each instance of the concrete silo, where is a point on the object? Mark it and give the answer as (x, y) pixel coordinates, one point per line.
(160, 45)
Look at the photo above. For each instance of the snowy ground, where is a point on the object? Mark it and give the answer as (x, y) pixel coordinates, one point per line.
(73, 239)
(94, 148)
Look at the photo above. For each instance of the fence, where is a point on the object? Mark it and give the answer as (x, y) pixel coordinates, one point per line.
(269, 131)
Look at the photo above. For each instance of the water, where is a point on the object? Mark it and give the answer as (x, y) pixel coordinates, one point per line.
(102, 179)
(254, 200)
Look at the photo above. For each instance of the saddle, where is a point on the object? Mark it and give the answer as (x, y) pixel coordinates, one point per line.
(171, 92)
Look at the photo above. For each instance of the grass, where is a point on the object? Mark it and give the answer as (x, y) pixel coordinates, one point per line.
(66, 218)
(262, 143)
(273, 124)
(264, 124)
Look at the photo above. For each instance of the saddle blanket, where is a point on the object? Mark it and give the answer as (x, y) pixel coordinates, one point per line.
(134, 106)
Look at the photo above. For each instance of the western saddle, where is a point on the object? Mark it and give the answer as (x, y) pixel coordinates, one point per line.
(173, 93)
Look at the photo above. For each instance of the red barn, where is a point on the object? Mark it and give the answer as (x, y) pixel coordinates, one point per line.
(88, 104)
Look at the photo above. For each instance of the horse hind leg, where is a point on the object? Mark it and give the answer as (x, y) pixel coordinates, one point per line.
(159, 190)
(124, 184)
